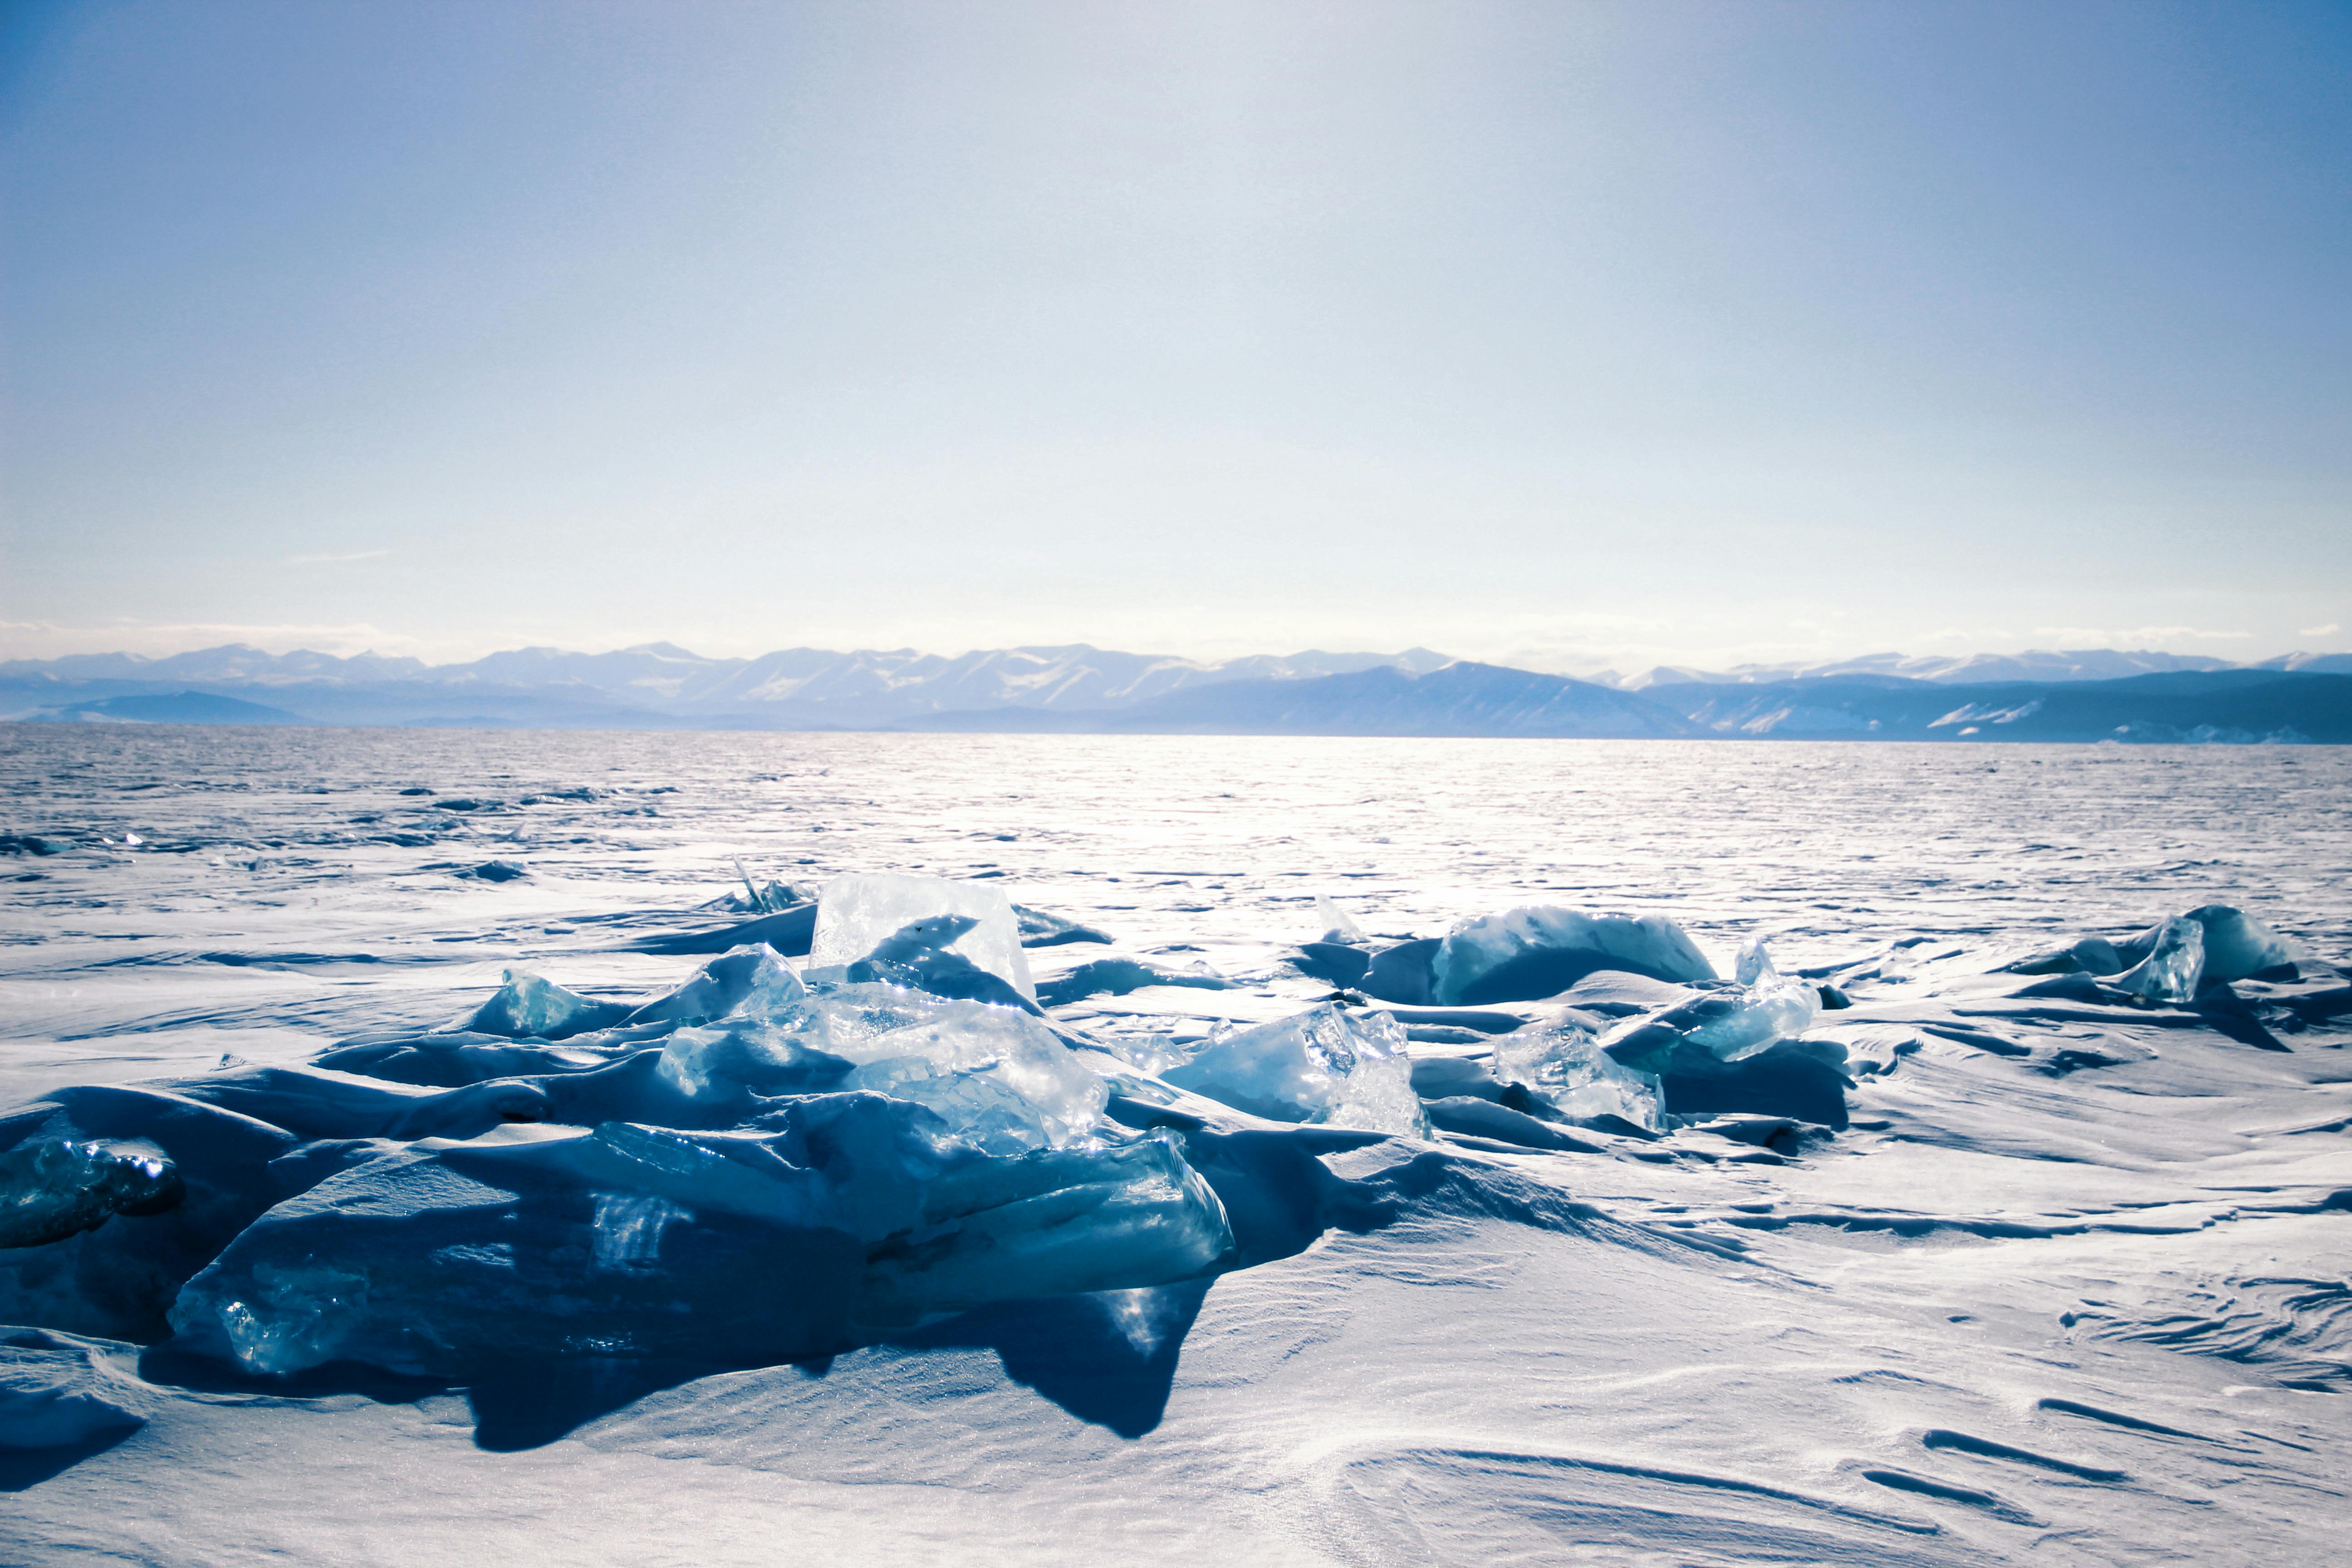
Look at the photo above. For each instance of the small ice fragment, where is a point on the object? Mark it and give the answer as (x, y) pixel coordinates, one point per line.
(1337, 926)
(528, 1007)
(1538, 951)
(1346, 1069)
(1151, 1052)
(1755, 963)
(1564, 1064)
(895, 919)
(2174, 966)
(1730, 1025)
(52, 1188)
(132, 840)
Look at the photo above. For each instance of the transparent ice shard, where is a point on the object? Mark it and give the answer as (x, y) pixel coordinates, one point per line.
(2174, 966)
(1342, 1069)
(1771, 1008)
(1564, 1064)
(1000, 1078)
(1154, 1052)
(51, 1188)
(1539, 951)
(1337, 926)
(893, 919)
(1730, 1023)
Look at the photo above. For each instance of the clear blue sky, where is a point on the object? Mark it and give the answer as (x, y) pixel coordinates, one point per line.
(1561, 333)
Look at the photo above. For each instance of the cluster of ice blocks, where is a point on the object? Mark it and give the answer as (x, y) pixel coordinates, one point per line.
(764, 1164)
(2174, 960)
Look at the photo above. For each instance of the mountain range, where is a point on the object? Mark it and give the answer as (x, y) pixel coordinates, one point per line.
(2082, 694)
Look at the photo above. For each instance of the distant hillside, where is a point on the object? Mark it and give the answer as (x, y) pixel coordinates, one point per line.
(181, 707)
(1079, 688)
(1970, 669)
(660, 685)
(2228, 706)
(1460, 700)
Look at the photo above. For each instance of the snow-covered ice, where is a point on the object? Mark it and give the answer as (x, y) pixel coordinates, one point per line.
(363, 1208)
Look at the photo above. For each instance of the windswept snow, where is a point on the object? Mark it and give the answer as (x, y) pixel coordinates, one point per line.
(358, 1207)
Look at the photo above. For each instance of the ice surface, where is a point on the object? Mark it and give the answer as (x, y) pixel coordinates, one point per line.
(55, 1394)
(1343, 1068)
(1120, 1218)
(1564, 1064)
(2061, 1230)
(909, 921)
(2174, 965)
(1540, 951)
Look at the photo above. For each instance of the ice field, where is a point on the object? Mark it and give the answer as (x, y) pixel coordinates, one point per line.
(711, 1149)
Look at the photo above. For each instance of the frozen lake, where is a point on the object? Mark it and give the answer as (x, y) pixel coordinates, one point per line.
(2070, 1286)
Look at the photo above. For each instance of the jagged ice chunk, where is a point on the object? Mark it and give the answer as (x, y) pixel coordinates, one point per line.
(2174, 966)
(1538, 951)
(1342, 1069)
(1565, 1065)
(896, 919)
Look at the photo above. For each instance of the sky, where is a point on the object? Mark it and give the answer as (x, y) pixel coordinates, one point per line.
(1560, 334)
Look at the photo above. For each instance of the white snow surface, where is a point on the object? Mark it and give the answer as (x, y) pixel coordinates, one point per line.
(2067, 1286)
